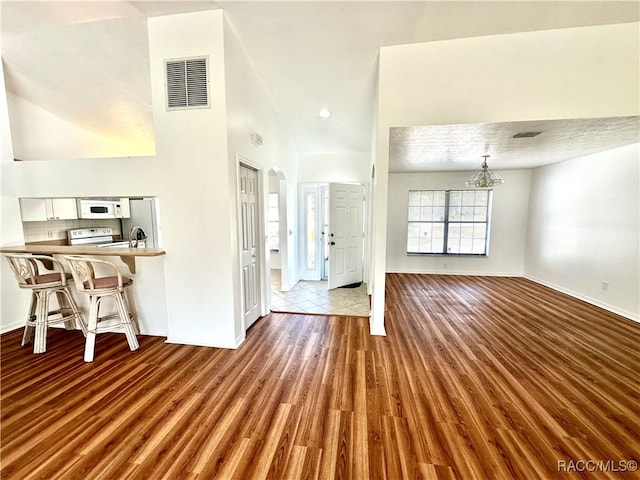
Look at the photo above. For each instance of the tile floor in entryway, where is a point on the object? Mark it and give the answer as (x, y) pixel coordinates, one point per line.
(314, 297)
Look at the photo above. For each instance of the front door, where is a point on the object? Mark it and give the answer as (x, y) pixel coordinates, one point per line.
(249, 237)
(346, 234)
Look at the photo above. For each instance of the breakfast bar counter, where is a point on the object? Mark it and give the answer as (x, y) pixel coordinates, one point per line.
(148, 295)
(126, 254)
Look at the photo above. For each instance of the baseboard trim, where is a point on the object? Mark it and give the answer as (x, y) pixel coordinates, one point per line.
(378, 331)
(10, 327)
(585, 298)
(188, 341)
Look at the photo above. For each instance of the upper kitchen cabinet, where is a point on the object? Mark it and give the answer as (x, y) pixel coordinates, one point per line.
(125, 210)
(43, 209)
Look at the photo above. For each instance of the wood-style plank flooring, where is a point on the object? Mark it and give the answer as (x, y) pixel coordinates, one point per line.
(477, 378)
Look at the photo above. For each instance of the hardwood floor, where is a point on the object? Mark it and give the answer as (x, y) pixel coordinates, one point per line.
(478, 378)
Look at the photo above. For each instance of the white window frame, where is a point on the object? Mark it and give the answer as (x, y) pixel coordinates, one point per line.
(437, 215)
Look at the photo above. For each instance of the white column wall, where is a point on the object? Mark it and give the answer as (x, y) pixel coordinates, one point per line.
(193, 170)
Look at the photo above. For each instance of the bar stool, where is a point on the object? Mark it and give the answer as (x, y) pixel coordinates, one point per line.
(29, 271)
(98, 288)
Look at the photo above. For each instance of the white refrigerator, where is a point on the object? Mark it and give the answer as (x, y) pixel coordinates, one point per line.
(144, 214)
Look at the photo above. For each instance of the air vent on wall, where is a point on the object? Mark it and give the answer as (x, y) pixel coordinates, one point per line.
(187, 83)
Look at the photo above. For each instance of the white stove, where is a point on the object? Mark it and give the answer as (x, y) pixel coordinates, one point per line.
(90, 236)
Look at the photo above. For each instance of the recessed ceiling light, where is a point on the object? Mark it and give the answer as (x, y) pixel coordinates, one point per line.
(324, 113)
(526, 134)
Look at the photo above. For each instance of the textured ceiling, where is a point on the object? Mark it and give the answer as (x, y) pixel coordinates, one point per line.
(87, 62)
(461, 147)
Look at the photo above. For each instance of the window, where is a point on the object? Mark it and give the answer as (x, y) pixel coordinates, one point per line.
(273, 223)
(448, 222)
(310, 209)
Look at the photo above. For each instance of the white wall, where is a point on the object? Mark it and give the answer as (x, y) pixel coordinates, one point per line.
(193, 175)
(188, 175)
(13, 301)
(555, 74)
(508, 225)
(584, 226)
(335, 167)
(59, 139)
(112, 177)
(249, 111)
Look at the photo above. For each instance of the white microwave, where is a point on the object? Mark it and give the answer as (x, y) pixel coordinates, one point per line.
(97, 209)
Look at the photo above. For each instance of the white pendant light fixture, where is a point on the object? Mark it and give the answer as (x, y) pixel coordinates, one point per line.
(484, 178)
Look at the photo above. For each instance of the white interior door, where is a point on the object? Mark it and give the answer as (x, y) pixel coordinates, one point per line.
(249, 217)
(346, 234)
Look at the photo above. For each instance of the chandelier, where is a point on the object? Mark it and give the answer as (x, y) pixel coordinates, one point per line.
(484, 178)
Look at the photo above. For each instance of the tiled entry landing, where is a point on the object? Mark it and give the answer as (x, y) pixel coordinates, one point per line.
(314, 297)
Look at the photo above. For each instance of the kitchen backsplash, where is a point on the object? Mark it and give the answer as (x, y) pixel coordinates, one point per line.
(57, 229)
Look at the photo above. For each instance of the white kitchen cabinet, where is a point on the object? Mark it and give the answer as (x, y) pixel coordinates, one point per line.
(43, 209)
(33, 209)
(125, 210)
(64, 209)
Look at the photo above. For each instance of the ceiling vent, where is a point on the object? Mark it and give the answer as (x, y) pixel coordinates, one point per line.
(526, 134)
(187, 83)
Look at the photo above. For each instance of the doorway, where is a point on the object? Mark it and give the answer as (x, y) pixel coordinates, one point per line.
(332, 233)
(331, 244)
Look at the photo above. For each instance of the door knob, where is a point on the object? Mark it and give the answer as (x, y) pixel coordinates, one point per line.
(332, 243)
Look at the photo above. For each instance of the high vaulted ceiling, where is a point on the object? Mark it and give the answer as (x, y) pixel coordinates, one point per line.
(87, 62)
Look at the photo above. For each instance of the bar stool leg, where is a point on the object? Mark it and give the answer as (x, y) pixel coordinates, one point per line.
(28, 327)
(76, 312)
(65, 309)
(92, 324)
(131, 316)
(69, 309)
(42, 315)
(127, 324)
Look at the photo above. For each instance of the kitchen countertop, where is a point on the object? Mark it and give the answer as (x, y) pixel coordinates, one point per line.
(127, 254)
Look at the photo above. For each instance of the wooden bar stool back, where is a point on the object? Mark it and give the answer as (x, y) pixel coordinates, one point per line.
(98, 288)
(44, 276)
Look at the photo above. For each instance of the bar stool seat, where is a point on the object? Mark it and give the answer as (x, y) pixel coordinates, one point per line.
(100, 288)
(28, 270)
